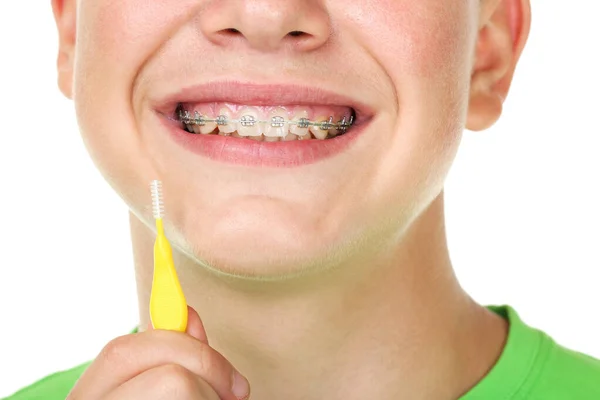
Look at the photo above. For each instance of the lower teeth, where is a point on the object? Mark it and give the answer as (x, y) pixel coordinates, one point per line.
(261, 138)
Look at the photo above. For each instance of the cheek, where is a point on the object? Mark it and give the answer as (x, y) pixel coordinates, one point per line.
(128, 31)
(425, 48)
(114, 41)
(420, 38)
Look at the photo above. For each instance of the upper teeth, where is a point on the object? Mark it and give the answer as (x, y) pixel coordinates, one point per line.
(277, 122)
(248, 120)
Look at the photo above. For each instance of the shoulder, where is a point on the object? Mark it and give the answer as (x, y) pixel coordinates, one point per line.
(53, 387)
(566, 374)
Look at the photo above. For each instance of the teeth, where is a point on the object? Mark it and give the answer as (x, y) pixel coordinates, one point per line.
(223, 121)
(297, 129)
(185, 116)
(308, 136)
(277, 125)
(248, 125)
(290, 136)
(333, 132)
(251, 123)
(194, 127)
(320, 132)
(201, 125)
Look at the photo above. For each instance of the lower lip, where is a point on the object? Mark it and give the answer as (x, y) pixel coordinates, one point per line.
(231, 150)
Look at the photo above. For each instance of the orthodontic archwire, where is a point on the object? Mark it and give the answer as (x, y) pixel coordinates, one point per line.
(343, 125)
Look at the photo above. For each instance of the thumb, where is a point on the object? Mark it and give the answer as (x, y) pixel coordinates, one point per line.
(195, 328)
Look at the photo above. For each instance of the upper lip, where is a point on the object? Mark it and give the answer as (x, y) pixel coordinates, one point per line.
(259, 95)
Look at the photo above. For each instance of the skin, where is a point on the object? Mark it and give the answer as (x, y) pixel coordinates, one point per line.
(339, 285)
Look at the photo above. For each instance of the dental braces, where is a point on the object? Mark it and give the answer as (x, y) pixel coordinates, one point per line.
(276, 122)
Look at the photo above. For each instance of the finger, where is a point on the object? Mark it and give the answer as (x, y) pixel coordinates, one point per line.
(128, 356)
(166, 382)
(195, 326)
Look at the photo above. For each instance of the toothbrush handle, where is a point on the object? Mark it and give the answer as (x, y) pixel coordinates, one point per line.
(168, 307)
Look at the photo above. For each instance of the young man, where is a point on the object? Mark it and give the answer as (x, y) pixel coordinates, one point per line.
(314, 252)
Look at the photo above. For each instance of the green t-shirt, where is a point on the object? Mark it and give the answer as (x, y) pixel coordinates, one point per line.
(532, 366)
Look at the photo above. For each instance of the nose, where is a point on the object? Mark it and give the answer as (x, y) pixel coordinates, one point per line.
(267, 25)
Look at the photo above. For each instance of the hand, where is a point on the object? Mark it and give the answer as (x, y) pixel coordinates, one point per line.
(159, 364)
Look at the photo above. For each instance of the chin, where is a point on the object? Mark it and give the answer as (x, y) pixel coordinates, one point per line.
(259, 261)
(258, 242)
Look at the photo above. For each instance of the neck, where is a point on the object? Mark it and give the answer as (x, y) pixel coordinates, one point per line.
(377, 327)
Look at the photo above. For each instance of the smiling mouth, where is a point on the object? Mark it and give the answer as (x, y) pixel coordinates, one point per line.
(265, 123)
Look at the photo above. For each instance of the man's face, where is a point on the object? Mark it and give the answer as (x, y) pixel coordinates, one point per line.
(401, 68)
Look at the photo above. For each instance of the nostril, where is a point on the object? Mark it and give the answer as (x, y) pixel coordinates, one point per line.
(232, 31)
(296, 33)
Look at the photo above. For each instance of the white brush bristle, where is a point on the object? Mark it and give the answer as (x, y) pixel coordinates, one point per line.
(157, 199)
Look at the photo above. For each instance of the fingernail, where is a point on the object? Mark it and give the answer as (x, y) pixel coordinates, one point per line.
(240, 387)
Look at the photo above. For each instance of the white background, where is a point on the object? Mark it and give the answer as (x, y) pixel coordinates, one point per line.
(522, 199)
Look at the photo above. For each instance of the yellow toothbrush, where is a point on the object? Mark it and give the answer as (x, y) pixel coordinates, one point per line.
(168, 308)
